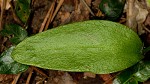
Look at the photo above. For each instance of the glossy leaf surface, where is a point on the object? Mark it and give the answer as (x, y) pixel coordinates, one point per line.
(17, 31)
(8, 65)
(89, 46)
(112, 9)
(143, 72)
(139, 72)
(126, 76)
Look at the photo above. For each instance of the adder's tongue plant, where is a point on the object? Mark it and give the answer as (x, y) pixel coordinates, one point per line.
(91, 46)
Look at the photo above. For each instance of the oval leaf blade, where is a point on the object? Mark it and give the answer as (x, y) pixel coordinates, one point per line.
(92, 46)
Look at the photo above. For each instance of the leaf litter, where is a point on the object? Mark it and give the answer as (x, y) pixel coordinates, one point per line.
(73, 11)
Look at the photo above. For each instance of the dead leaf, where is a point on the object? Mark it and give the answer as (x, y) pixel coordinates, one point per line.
(131, 15)
(80, 13)
(65, 78)
(4, 78)
(89, 74)
(147, 21)
(60, 77)
(65, 17)
(141, 16)
(107, 78)
(7, 4)
(136, 15)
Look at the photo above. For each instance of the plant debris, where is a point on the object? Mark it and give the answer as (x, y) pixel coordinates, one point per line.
(136, 15)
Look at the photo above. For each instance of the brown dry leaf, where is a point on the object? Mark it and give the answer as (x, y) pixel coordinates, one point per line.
(72, 12)
(107, 78)
(81, 13)
(5, 78)
(132, 12)
(65, 17)
(136, 15)
(140, 18)
(89, 74)
(68, 5)
(7, 4)
(88, 80)
(96, 3)
(59, 77)
(65, 78)
(88, 2)
(147, 22)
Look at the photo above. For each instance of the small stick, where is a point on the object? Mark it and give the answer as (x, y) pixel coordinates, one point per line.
(3, 6)
(46, 18)
(39, 71)
(88, 7)
(16, 79)
(57, 8)
(29, 76)
(50, 16)
(147, 29)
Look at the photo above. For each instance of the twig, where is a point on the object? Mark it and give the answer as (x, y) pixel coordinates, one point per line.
(50, 17)
(57, 8)
(29, 76)
(146, 29)
(31, 71)
(3, 6)
(16, 79)
(88, 7)
(39, 71)
(46, 18)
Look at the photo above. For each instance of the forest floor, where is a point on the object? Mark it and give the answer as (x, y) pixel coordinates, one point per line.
(64, 12)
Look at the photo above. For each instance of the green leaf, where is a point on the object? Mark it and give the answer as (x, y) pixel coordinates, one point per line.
(143, 72)
(129, 81)
(8, 65)
(126, 76)
(22, 9)
(139, 72)
(89, 46)
(112, 9)
(18, 32)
